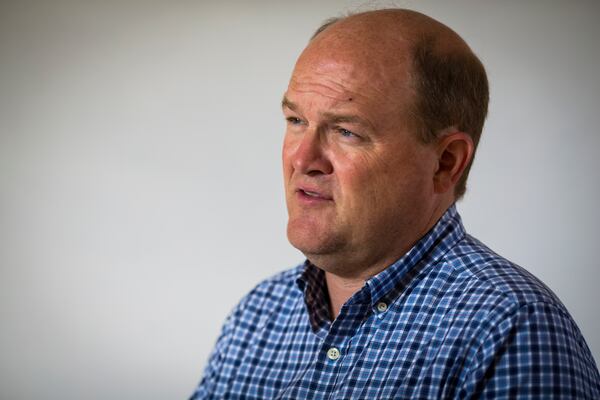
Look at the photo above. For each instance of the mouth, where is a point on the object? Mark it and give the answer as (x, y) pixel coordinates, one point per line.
(312, 195)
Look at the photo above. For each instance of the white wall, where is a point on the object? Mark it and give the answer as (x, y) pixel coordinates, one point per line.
(140, 184)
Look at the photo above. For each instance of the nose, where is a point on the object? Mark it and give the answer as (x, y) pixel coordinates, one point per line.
(310, 157)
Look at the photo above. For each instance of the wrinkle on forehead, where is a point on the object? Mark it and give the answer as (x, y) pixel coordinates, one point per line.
(346, 78)
(332, 80)
(324, 75)
(337, 94)
(304, 95)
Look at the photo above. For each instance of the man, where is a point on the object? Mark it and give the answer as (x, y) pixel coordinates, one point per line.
(384, 111)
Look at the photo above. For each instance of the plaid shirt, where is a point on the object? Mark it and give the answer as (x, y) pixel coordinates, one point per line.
(449, 320)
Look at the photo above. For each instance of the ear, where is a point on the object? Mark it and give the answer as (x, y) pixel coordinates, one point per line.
(454, 150)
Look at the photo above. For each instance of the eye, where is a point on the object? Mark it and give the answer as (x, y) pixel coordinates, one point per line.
(347, 134)
(294, 120)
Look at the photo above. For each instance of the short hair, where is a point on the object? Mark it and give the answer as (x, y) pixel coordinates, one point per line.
(451, 91)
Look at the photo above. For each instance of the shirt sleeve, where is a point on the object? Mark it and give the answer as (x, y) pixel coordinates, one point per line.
(535, 353)
(207, 386)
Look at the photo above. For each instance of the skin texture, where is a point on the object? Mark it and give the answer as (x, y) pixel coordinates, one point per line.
(361, 188)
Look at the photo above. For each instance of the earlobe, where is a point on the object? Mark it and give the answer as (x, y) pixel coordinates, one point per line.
(455, 151)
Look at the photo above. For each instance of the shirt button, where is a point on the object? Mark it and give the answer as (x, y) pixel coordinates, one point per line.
(333, 353)
(382, 307)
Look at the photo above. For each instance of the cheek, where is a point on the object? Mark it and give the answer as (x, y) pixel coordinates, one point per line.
(373, 182)
(359, 179)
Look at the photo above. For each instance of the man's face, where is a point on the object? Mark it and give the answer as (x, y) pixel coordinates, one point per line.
(358, 181)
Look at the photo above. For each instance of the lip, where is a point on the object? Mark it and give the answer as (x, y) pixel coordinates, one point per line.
(312, 194)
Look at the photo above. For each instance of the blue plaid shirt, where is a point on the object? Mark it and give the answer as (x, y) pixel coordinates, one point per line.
(449, 320)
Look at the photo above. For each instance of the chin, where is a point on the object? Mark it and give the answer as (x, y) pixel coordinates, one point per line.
(310, 241)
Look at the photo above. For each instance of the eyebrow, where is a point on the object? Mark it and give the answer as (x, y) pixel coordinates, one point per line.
(342, 118)
(333, 117)
(287, 103)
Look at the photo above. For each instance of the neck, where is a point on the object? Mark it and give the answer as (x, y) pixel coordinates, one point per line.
(340, 290)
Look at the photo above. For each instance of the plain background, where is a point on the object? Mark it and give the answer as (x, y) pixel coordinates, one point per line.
(140, 183)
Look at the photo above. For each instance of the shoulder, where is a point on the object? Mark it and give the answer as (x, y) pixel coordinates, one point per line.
(521, 329)
(481, 269)
(270, 295)
(493, 298)
(264, 302)
(276, 287)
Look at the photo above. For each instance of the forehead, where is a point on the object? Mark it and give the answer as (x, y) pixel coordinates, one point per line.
(377, 63)
(330, 78)
(373, 84)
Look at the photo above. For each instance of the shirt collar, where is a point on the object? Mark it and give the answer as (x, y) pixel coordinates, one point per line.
(390, 282)
(316, 298)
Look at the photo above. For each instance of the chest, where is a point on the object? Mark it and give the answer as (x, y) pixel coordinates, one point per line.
(365, 355)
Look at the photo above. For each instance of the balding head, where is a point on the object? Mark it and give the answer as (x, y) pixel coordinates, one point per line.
(393, 23)
(426, 58)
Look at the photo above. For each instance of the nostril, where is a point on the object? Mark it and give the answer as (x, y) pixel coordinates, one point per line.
(314, 172)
